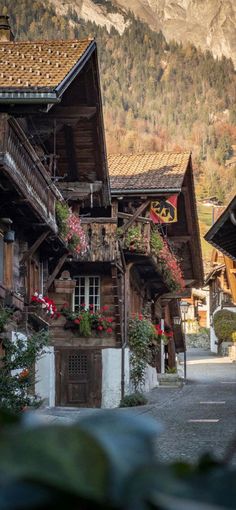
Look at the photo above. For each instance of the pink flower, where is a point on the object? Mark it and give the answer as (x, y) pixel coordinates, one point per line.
(140, 316)
(109, 330)
(105, 308)
(100, 328)
(109, 319)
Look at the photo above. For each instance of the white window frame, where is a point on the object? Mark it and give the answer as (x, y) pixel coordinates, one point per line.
(87, 295)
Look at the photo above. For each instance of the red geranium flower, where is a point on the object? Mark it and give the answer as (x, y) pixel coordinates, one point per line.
(77, 321)
(100, 328)
(109, 330)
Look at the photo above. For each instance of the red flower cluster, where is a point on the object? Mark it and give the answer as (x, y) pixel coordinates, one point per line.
(24, 374)
(76, 233)
(158, 329)
(171, 265)
(96, 319)
(47, 304)
(162, 333)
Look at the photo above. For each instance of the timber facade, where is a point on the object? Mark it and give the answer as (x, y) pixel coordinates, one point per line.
(52, 151)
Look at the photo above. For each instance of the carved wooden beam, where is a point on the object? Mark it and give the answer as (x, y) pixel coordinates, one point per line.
(127, 216)
(137, 213)
(34, 246)
(56, 270)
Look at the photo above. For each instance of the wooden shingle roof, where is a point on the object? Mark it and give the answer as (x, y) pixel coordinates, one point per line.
(149, 171)
(38, 65)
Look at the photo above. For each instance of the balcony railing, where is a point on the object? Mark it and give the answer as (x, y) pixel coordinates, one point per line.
(102, 239)
(23, 167)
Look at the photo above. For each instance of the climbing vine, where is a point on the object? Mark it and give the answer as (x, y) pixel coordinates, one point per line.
(143, 339)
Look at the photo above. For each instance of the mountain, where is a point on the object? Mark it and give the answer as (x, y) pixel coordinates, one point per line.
(208, 24)
(157, 94)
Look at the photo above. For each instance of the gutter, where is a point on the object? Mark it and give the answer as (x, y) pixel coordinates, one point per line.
(118, 192)
(29, 98)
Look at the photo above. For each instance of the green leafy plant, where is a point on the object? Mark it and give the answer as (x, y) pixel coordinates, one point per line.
(62, 217)
(156, 242)
(143, 340)
(134, 399)
(17, 376)
(134, 240)
(224, 322)
(85, 324)
(106, 461)
(5, 314)
(172, 370)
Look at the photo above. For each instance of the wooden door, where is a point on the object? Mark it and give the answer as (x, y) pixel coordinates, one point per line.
(79, 377)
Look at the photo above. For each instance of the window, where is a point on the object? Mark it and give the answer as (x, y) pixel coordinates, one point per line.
(87, 291)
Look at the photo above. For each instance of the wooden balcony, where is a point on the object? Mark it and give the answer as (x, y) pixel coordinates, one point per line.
(23, 168)
(102, 239)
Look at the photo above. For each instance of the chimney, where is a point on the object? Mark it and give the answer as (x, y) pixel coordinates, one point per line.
(5, 29)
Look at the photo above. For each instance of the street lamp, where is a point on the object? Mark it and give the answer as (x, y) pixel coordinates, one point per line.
(177, 320)
(184, 305)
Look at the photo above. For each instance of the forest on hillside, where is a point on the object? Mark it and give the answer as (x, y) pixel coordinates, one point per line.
(156, 95)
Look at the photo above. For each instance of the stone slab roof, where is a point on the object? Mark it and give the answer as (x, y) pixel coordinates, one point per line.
(149, 171)
(38, 65)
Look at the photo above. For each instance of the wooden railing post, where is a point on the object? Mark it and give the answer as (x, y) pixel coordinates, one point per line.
(3, 132)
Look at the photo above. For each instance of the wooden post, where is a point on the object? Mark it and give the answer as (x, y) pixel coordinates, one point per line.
(56, 270)
(139, 211)
(34, 246)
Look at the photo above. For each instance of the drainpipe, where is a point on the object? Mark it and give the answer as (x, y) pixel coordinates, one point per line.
(124, 337)
(126, 280)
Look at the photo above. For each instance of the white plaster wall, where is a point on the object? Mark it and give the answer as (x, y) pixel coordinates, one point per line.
(45, 377)
(151, 380)
(111, 377)
(213, 337)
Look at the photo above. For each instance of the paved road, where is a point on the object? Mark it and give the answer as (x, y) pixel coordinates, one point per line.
(199, 417)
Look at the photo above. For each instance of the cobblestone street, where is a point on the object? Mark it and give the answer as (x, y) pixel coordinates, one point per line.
(198, 417)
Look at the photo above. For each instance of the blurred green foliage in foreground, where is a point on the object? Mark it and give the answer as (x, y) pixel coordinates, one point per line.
(106, 461)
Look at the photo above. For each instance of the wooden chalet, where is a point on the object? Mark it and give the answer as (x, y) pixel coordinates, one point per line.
(137, 180)
(221, 283)
(222, 234)
(52, 149)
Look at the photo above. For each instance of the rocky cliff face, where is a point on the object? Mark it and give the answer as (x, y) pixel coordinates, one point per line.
(209, 24)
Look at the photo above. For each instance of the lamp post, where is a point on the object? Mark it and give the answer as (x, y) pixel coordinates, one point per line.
(184, 305)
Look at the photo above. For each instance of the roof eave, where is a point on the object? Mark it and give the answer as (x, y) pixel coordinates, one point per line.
(65, 83)
(147, 191)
